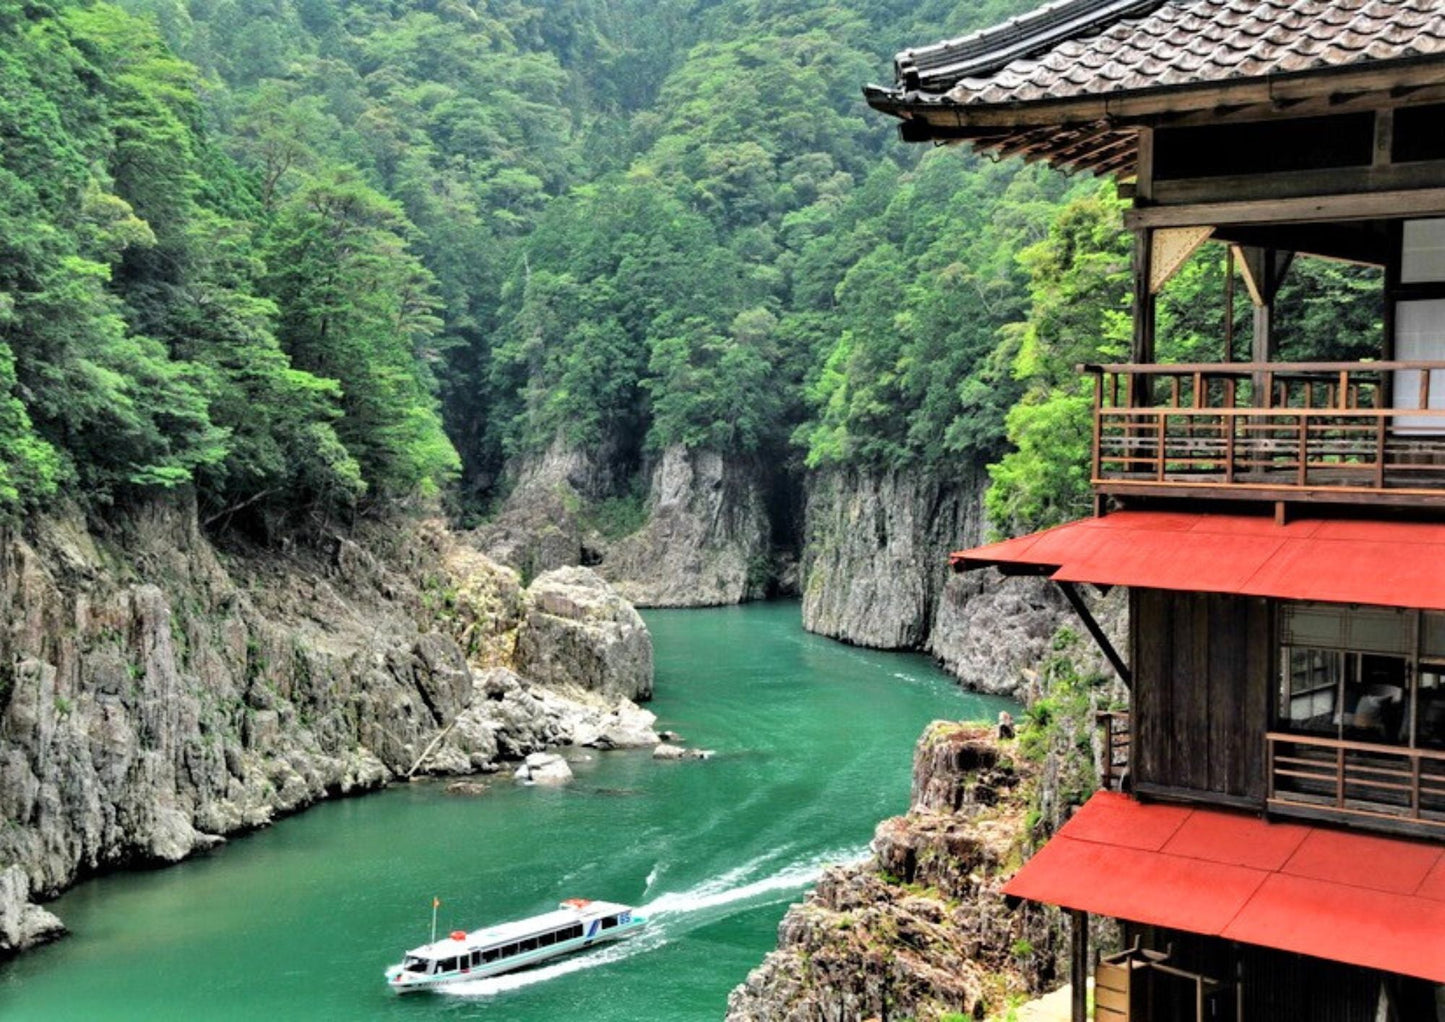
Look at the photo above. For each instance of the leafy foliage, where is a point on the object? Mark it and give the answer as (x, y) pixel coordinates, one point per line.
(313, 258)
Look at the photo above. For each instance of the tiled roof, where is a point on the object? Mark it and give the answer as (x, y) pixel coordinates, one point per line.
(1197, 42)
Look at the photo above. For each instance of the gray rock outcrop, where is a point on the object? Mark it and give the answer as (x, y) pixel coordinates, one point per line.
(539, 527)
(578, 633)
(544, 768)
(160, 694)
(876, 552)
(876, 574)
(707, 537)
(920, 929)
(23, 925)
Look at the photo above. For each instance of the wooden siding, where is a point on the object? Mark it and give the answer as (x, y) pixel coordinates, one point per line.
(1203, 674)
(1275, 986)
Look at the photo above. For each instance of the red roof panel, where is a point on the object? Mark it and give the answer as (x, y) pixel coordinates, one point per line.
(1392, 564)
(1394, 932)
(1371, 901)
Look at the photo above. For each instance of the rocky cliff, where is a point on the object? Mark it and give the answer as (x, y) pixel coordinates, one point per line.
(875, 553)
(707, 539)
(875, 573)
(540, 525)
(919, 930)
(158, 694)
(703, 536)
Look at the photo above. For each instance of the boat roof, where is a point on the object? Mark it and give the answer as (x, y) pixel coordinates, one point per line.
(503, 933)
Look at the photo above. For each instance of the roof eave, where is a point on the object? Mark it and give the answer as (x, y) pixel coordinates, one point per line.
(1129, 108)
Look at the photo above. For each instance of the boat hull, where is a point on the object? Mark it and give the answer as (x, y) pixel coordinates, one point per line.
(402, 982)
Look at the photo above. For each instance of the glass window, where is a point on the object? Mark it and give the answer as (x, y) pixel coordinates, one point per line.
(509, 951)
(490, 954)
(609, 922)
(547, 939)
(449, 965)
(530, 944)
(1430, 718)
(1363, 697)
(1310, 690)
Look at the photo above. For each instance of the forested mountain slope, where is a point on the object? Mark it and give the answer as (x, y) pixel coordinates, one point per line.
(637, 283)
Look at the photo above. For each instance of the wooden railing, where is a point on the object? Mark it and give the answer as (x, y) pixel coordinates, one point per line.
(1270, 430)
(1359, 780)
(1114, 742)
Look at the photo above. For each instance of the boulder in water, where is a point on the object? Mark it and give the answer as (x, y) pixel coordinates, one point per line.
(544, 768)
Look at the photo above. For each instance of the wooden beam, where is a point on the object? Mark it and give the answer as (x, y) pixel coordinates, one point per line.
(1384, 138)
(1379, 177)
(1102, 155)
(1142, 343)
(1144, 172)
(1079, 965)
(1264, 270)
(1071, 593)
(1300, 209)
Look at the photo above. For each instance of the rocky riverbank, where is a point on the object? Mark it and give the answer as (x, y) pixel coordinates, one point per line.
(160, 694)
(871, 561)
(919, 930)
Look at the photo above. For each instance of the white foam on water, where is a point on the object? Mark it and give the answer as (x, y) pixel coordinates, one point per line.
(666, 918)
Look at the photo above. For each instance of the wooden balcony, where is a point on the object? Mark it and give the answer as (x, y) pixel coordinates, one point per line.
(1114, 745)
(1377, 786)
(1348, 432)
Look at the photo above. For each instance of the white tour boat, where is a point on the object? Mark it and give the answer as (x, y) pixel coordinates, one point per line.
(576, 924)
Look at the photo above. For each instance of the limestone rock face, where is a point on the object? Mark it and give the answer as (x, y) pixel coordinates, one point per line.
(539, 527)
(580, 634)
(707, 537)
(164, 694)
(23, 925)
(875, 557)
(919, 930)
(875, 573)
(990, 630)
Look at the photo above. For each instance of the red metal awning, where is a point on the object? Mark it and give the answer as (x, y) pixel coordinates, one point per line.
(1390, 564)
(1372, 901)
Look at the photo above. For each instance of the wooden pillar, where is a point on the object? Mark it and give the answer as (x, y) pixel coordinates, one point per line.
(1079, 965)
(1263, 270)
(1141, 348)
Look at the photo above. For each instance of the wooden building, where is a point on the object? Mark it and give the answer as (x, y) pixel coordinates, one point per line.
(1278, 852)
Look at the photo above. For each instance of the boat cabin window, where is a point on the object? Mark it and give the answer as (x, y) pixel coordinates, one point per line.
(415, 964)
(530, 944)
(572, 932)
(449, 965)
(509, 951)
(490, 954)
(476, 959)
(547, 939)
(608, 922)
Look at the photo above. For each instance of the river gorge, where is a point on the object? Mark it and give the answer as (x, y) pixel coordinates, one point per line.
(812, 742)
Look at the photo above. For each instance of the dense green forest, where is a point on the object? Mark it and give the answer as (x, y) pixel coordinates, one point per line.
(314, 258)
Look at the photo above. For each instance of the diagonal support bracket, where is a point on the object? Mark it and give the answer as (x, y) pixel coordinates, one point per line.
(1105, 646)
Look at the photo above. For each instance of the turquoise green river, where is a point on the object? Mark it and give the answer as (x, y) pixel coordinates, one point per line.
(814, 741)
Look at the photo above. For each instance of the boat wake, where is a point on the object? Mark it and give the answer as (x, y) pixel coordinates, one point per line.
(671, 915)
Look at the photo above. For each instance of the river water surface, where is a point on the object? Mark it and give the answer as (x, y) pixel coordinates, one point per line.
(813, 739)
